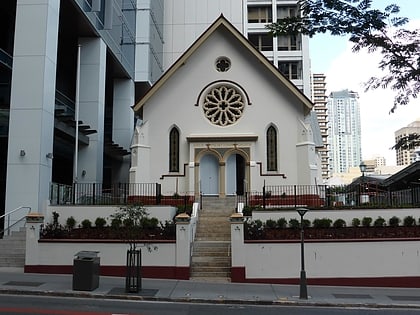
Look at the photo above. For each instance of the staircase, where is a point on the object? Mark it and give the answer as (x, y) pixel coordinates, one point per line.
(12, 253)
(211, 258)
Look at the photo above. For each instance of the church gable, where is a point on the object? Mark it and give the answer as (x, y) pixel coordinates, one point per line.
(221, 116)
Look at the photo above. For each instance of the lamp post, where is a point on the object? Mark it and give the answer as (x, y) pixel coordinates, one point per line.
(303, 285)
(362, 168)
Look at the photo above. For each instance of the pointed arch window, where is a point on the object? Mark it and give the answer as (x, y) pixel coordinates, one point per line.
(271, 149)
(174, 150)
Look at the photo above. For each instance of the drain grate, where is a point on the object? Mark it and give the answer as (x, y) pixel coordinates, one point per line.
(404, 298)
(143, 292)
(24, 283)
(352, 296)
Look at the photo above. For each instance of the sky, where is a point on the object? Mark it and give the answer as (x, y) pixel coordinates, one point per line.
(344, 69)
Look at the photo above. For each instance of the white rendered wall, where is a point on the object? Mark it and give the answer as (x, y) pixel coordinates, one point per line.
(332, 259)
(31, 125)
(186, 20)
(123, 124)
(92, 107)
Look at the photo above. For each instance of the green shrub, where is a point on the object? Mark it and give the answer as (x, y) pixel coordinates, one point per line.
(70, 223)
(306, 223)
(270, 224)
(116, 223)
(324, 223)
(379, 222)
(149, 223)
(294, 223)
(247, 211)
(355, 222)
(86, 223)
(366, 221)
(394, 221)
(409, 221)
(281, 223)
(339, 223)
(100, 222)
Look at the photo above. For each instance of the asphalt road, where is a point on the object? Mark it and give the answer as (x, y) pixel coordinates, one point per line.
(33, 305)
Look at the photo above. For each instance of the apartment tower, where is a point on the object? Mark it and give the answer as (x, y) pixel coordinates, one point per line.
(344, 131)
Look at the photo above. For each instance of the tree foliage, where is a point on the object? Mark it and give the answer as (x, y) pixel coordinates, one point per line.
(369, 29)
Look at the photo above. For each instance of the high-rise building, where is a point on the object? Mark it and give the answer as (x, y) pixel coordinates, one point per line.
(185, 20)
(344, 131)
(69, 73)
(407, 154)
(84, 63)
(320, 100)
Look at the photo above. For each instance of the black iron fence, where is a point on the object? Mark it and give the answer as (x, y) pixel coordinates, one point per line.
(275, 196)
(330, 197)
(99, 194)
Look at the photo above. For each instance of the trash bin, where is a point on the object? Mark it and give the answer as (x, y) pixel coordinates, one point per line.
(86, 271)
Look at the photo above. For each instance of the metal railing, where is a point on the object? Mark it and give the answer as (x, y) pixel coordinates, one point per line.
(330, 197)
(11, 222)
(115, 194)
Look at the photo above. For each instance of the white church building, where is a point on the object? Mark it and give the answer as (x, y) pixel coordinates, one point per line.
(223, 120)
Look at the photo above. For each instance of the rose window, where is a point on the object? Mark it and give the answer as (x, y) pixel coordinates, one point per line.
(223, 105)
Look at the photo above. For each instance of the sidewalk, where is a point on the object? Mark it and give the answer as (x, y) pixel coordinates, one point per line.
(14, 281)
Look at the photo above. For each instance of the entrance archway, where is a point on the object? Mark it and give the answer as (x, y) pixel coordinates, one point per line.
(209, 175)
(235, 174)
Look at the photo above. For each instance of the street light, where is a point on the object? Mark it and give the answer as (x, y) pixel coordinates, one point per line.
(303, 287)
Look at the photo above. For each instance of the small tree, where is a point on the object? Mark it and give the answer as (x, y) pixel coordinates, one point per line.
(131, 216)
(367, 28)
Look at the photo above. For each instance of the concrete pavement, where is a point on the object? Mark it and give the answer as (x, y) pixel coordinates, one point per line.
(15, 281)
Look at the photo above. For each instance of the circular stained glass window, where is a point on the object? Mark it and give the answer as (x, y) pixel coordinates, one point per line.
(223, 105)
(222, 64)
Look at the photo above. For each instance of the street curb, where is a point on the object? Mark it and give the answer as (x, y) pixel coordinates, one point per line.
(129, 297)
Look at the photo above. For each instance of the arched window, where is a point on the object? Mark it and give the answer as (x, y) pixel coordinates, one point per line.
(174, 150)
(271, 149)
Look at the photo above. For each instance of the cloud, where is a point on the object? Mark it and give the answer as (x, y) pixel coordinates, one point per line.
(350, 71)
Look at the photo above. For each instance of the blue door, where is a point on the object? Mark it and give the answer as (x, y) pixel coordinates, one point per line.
(209, 175)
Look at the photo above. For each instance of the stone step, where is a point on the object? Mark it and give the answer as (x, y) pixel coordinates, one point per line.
(13, 249)
(210, 275)
(196, 265)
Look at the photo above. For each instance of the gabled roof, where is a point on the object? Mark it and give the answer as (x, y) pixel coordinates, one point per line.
(219, 23)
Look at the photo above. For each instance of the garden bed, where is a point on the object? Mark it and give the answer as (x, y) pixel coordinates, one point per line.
(386, 232)
(109, 233)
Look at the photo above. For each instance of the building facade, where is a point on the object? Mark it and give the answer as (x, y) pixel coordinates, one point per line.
(185, 20)
(223, 120)
(76, 83)
(70, 72)
(344, 131)
(320, 100)
(406, 155)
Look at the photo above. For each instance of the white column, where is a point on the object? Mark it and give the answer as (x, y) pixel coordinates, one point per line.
(92, 107)
(123, 124)
(33, 227)
(183, 240)
(31, 125)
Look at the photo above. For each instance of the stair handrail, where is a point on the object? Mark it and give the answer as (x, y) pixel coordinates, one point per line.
(7, 214)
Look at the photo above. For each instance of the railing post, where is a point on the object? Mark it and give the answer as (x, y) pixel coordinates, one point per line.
(295, 195)
(158, 193)
(93, 193)
(264, 196)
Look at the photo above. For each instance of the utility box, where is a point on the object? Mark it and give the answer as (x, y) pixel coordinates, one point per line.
(86, 271)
